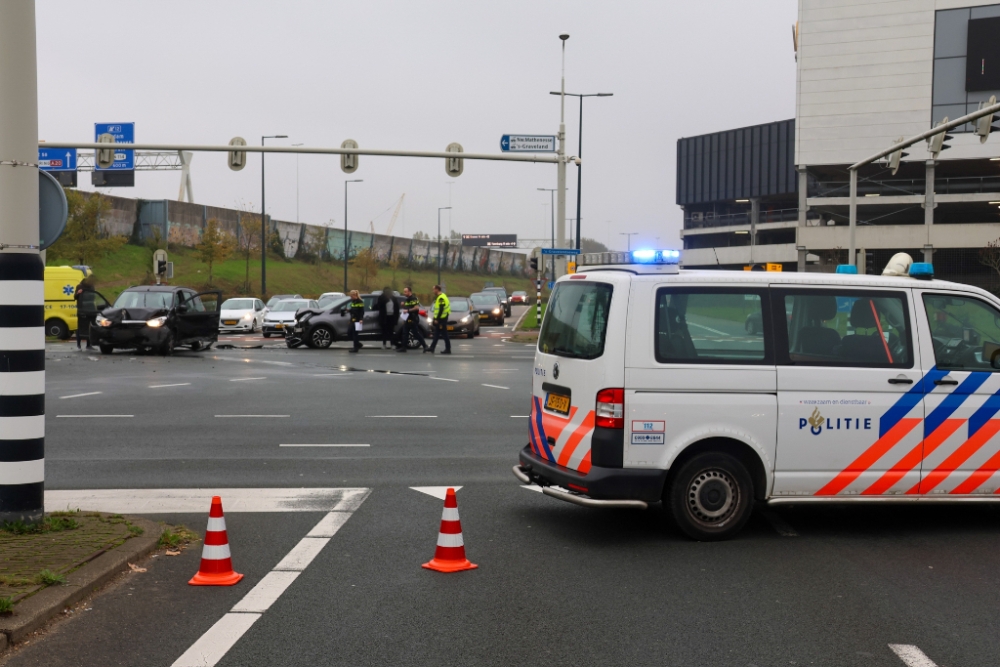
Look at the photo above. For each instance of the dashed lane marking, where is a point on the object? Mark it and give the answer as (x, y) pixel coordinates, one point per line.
(89, 393)
(93, 416)
(329, 375)
(330, 445)
(246, 379)
(495, 386)
(253, 416)
(779, 524)
(912, 656)
(519, 416)
(164, 386)
(400, 416)
(438, 492)
(445, 379)
(532, 487)
(188, 501)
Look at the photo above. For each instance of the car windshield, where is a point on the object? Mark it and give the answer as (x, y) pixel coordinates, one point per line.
(289, 306)
(485, 300)
(333, 301)
(238, 304)
(144, 299)
(459, 305)
(499, 291)
(276, 299)
(520, 294)
(576, 320)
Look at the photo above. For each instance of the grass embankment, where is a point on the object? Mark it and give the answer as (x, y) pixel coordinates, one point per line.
(132, 265)
(530, 320)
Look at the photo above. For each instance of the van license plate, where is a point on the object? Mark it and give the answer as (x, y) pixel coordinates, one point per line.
(557, 403)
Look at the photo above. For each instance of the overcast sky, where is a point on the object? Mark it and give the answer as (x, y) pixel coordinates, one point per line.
(417, 75)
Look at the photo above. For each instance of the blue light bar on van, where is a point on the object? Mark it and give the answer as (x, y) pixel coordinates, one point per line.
(650, 256)
(922, 270)
(847, 268)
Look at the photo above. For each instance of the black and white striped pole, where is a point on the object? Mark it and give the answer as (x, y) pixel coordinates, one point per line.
(22, 298)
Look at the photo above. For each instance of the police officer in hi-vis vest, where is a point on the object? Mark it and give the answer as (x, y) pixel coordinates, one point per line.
(357, 307)
(411, 307)
(442, 308)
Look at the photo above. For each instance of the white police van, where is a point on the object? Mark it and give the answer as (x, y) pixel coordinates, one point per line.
(711, 389)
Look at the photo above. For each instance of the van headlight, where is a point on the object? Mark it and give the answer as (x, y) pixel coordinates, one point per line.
(102, 321)
(157, 321)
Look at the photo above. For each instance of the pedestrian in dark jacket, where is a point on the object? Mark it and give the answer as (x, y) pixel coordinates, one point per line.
(357, 308)
(86, 311)
(388, 313)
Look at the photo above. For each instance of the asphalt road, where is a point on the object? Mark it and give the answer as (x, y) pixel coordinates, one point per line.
(557, 584)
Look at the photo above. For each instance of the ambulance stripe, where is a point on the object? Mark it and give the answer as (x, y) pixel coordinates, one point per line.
(984, 413)
(979, 477)
(585, 464)
(868, 458)
(953, 401)
(543, 440)
(576, 438)
(913, 458)
(908, 401)
(957, 458)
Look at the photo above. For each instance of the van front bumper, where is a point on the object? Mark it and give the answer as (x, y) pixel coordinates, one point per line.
(599, 483)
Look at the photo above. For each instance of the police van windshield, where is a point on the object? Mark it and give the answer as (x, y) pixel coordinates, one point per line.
(576, 321)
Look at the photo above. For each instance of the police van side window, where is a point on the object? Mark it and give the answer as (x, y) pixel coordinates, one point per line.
(965, 331)
(845, 328)
(712, 326)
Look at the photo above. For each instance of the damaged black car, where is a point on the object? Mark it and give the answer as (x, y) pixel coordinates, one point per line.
(158, 318)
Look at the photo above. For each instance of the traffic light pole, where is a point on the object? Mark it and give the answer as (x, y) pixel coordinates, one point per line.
(853, 169)
(22, 273)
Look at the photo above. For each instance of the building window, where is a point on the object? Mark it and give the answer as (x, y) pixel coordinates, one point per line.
(966, 61)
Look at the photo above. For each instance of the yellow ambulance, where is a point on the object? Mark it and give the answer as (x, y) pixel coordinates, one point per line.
(60, 307)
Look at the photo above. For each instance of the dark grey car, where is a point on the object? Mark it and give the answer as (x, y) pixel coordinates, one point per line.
(501, 293)
(320, 328)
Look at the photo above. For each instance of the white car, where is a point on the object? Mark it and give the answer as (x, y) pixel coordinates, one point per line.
(647, 387)
(242, 314)
(326, 298)
(283, 313)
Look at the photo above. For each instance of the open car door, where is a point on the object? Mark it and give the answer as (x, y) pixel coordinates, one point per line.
(198, 317)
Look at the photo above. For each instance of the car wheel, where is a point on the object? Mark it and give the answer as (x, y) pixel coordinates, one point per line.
(56, 329)
(253, 326)
(267, 335)
(293, 343)
(470, 334)
(321, 337)
(167, 348)
(107, 349)
(195, 346)
(711, 497)
(477, 331)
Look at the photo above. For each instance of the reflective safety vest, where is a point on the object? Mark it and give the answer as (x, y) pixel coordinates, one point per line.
(407, 305)
(442, 306)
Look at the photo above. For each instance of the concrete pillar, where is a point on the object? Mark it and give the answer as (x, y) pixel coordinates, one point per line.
(929, 206)
(803, 192)
(754, 219)
(22, 274)
(802, 252)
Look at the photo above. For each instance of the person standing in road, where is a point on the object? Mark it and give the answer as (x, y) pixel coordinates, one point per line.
(86, 310)
(357, 307)
(442, 309)
(387, 306)
(411, 307)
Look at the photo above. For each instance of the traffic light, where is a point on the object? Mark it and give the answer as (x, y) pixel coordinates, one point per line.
(161, 267)
(453, 166)
(105, 156)
(237, 159)
(936, 143)
(349, 161)
(533, 263)
(896, 157)
(984, 125)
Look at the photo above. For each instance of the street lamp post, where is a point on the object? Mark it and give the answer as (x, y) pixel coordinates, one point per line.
(443, 208)
(552, 260)
(579, 154)
(263, 218)
(356, 180)
(629, 235)
(297, 184)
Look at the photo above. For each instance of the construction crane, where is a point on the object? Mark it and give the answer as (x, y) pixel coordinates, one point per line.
(392, 221)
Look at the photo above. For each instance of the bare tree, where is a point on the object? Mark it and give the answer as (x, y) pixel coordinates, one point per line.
(248, 241)
(216, 246)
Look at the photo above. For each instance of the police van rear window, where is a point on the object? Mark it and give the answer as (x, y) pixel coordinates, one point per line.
(576, 321)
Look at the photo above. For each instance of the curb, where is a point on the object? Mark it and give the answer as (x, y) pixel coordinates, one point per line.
(44, 605)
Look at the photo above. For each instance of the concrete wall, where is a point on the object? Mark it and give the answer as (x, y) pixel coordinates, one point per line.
(889, 237)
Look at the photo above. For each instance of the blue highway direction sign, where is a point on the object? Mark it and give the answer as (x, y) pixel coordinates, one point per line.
(124, 133)
(560, 251)
(528, 143)
(57, 159)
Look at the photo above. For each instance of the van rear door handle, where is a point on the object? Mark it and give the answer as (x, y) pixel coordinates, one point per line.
(900, 381)
(940, 382)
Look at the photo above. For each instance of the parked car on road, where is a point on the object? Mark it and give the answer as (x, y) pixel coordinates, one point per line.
(243, 314)
(464, 320)
(281, 297)
(282, 314)
(501, 293)
(488, 306)
(519, 297)
(326, 298)
(319, 328)
(160, 318)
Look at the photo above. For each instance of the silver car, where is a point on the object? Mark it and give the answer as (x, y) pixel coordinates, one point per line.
(282, 314)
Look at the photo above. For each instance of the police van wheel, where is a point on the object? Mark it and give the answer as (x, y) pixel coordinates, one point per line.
(711, 497)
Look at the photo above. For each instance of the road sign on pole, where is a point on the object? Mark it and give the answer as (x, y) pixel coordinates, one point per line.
(124, 133)
(528, 143)
(560, 251)
(57, 159)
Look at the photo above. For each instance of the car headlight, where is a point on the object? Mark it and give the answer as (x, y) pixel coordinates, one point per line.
(157, 321)
(465, 320)
(496, 311)
(102, 321)
(248, 316)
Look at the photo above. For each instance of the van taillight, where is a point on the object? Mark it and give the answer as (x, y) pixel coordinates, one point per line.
(610, 411)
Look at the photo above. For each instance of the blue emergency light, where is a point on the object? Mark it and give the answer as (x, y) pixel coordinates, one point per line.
(650, 256)
(847, 268)
(922, 270)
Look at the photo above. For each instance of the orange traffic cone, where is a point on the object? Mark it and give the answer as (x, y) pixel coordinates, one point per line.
(216, 563)
(450, 553)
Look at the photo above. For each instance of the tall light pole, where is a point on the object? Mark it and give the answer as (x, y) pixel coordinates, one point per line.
(561, 165)
(579, 153)
(629, 236)
(263, 218)
(356, 180)
(443, 208)
(297, 184)
(552, 208)
(449, 184)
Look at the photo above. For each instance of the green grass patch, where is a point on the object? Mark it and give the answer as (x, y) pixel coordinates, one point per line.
(49, 578)
(530, 320)
(50, 524)
(174, 537)
(6, 605)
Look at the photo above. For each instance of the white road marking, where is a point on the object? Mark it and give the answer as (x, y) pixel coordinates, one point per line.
(498, 345)
(90, 416)
(522, 357)
(276, 363)
(162, 386)
(198, 501)
(445, 379)
(779, 524)
(89, 393)
(247, 379)
(212, 646)
(438, 492)
(912, 656)
(329, 375)
(400, 416)
(520, 416)
(532, 487)
(702, 326)
(324, 445)
(251, 416)
(495, 386)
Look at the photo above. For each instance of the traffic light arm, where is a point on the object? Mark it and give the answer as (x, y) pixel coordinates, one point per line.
(950, 125)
